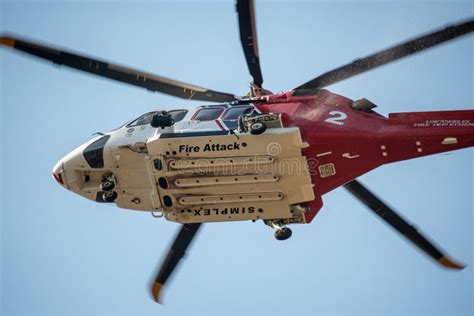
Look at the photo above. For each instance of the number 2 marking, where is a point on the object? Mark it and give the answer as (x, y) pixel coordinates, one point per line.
(338, 118)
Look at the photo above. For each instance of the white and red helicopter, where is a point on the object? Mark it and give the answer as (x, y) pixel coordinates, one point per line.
(263, 156)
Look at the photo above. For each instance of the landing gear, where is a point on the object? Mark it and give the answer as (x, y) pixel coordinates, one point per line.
(257, 128)
(281, 232)
(109, 196)
(107, 185)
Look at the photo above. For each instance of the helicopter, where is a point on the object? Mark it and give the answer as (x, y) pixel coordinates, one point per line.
(326, 139)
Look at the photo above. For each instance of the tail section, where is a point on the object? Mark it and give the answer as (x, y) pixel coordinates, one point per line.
(417, 134)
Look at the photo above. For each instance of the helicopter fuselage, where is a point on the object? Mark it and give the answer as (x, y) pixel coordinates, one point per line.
(331, 140)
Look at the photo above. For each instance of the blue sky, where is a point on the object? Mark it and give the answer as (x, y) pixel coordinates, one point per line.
(64, 255)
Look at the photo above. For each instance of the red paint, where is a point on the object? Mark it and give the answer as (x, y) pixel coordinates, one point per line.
(58, 178)
(220, 125)
(370, 139)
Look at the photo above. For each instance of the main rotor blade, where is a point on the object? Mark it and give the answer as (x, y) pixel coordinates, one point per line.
(115, 72)
(386, 56)
(248, 38)
(398, 223)
(178, 249)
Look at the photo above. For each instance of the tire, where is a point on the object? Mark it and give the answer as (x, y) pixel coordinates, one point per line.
(107, 185)
(109, 196)
(283, 233)
(257, 128)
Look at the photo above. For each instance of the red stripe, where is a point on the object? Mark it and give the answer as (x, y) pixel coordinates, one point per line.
(220, 125)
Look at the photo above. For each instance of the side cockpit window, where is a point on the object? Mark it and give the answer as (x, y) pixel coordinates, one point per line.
(208, 114)
(234, 112)
(178, 115)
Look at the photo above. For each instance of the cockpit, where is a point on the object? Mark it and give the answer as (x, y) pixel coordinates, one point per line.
(204, 118)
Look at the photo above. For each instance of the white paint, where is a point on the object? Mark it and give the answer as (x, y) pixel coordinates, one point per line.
(338, 118)
(348, 156)
(324, 154)
(449, 141)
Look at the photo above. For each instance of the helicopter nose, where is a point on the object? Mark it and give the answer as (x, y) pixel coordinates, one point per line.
(64, 171)
(70, 171)
(58, 173)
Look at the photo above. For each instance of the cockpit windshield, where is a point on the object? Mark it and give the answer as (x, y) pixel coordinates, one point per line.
(142, 120)
(176, 115)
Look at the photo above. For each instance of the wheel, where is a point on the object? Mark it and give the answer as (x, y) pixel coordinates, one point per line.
(257, 128)
(283, 233)
(109, 196)
(107, 185)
